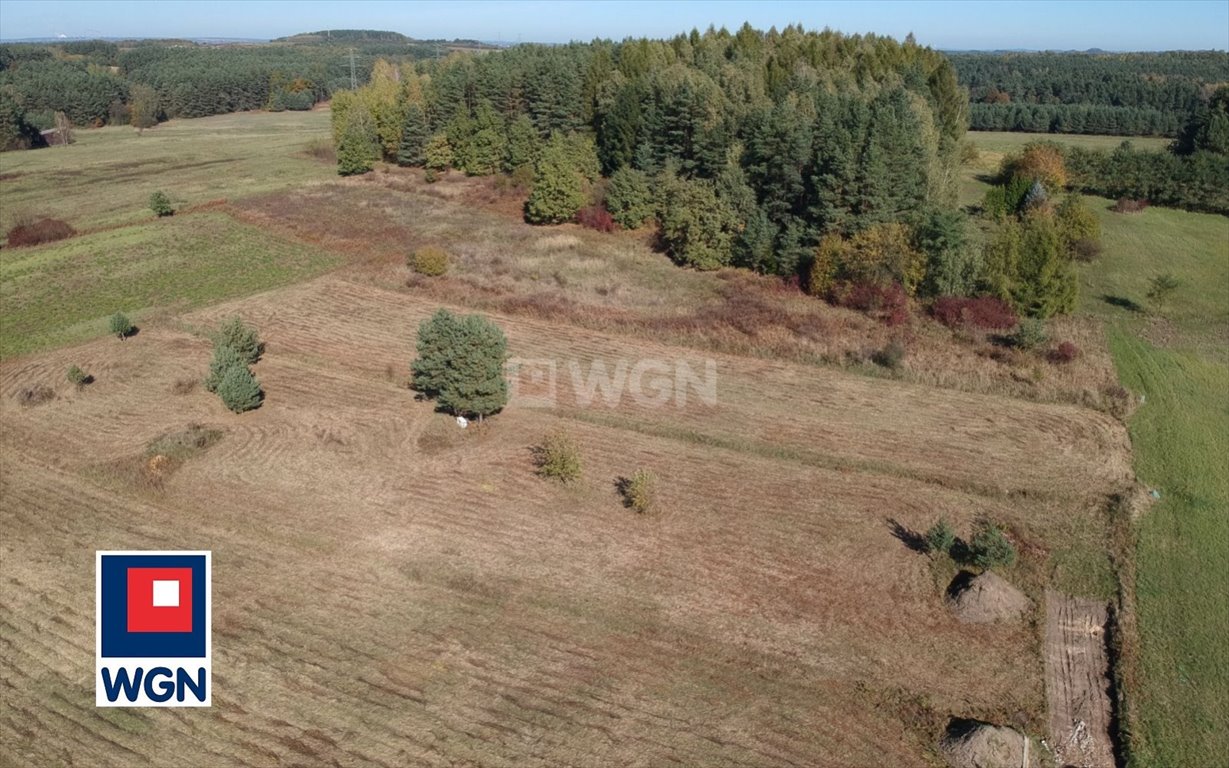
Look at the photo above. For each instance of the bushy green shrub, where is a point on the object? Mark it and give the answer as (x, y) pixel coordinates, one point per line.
(640, 491)
(430, 260)
(241, 337)
(1030, 334)
(160, 204)
(239, 389)
(78, 376)
(557, 458)
(120, 325)
(990, 547)
(940, 537)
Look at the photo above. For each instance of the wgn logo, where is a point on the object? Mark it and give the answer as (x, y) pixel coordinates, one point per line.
(153, 629)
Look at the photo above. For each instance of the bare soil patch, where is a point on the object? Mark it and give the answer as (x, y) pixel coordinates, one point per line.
(1077, 681)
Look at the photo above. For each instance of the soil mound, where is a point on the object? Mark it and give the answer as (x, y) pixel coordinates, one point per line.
(985, 598)
(974, 744)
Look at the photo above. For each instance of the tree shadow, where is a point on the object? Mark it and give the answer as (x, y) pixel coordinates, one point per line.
(960, 583)
(133, 331)
(911, 538)
(623, 486)
(1122, 302)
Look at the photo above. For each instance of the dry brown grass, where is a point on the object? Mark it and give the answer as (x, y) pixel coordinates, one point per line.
(615, 283)
(389, 590)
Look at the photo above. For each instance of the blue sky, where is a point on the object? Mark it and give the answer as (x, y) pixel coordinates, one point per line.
(950, 24)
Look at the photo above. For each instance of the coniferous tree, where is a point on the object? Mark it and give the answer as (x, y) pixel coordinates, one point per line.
(414, 136)
(522, 145)
(558, 187)
(460, 363)
(629, 197)
(239, 389)
(358, 149)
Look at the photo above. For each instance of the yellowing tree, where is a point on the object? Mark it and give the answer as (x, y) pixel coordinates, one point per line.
(1041, 161)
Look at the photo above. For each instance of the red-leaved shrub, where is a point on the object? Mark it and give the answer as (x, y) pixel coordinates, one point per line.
(984, 312)
(1064, 353)
(40, 231)
(888, 303)
(595, 217)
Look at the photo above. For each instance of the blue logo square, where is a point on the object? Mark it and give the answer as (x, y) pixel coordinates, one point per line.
(115, 639)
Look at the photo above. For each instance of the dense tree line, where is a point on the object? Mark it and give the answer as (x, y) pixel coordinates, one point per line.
(92, 81)
(1194, 175)
(1127, 94)
(1075, 118)
(747, 147)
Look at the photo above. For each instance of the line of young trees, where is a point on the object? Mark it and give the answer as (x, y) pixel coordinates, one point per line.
(1127, 94)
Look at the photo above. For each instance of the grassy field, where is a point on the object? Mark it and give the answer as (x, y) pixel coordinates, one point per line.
(64, 292)
(1008, 141)
(106, 177)
(1181, 439)
(1177, 360)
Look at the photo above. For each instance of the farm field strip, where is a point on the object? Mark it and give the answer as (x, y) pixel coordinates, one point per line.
(457, 595)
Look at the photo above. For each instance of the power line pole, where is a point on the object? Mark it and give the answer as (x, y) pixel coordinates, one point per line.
(353, 80)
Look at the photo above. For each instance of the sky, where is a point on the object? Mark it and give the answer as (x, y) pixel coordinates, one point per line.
(1117, 25)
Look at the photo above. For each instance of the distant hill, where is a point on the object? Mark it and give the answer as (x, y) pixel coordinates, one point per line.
(346, 36)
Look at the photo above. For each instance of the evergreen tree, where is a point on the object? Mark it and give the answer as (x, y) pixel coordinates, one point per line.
(558, 187)
(460, 363)
(225, 357)
(522, 146)
(240, 337)
(487, 143)
(697, 227)
(953, 265)
(358, 148)
(438, 154)
(1045, 282)
(239, 389)
(629, 198)
(414, 136)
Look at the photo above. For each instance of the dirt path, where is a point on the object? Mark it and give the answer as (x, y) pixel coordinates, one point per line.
(1077, 681)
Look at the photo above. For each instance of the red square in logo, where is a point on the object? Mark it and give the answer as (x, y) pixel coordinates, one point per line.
(159, 599)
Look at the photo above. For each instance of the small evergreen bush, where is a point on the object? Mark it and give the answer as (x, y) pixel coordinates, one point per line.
(990, 548)
(160, 204)
(239, 389)
(240, 337)
(940, 537)
(78, 376)
(224, 358)
(1030, 334)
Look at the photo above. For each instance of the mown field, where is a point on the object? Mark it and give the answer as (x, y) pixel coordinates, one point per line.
(1174, 358)
(389, 590)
